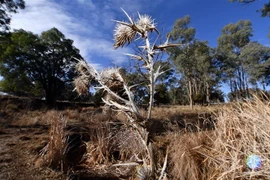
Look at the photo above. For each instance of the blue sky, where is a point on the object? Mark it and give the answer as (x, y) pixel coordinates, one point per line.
(89, 22)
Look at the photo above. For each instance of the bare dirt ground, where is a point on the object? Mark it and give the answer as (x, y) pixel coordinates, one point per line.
(21, 139)
(24, 132)
(19, 147)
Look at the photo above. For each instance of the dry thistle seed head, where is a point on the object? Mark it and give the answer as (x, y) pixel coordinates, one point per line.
(123, 34)
(111, 77)
(111, 74)
(143, 172)
(82, 84)
(85, 70)
(81, 68)
(146, 23)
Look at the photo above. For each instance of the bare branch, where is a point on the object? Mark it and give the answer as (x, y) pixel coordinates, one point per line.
(123, 23)
(132, 103)
(106, 88)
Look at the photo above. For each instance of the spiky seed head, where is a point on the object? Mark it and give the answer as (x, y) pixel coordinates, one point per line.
(146, 23)
(82, 84)
(123, 34)
(143, 172)
(85, 70)
(112, 78)
(111, 74)
(82, 69)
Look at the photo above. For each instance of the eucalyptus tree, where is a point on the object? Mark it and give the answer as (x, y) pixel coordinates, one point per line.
(13, 61)
(257, 64)
(207, 75)
(234, 37)
(56, 62)
(194, 61)
(7, 7)
(265, 10)
(44, 61)
(178, 92)
(181, 56)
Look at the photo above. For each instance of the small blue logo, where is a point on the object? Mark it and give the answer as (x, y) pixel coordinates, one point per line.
(254, 161)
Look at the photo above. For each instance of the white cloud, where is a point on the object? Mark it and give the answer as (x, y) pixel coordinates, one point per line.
(92, 36)
(89, 3)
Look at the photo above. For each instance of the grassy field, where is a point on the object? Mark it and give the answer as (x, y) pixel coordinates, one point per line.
(204, 143)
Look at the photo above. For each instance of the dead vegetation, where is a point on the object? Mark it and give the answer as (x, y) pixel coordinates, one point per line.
(85, 144)
(184, 160)
(241, 131)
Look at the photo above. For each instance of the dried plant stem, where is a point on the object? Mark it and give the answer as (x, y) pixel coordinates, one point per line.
(150, 66)
(162, 173)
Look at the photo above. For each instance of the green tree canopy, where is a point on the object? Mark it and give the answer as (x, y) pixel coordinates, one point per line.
(45, 61)
(234, 37)
(181, 31)
(194, 60)
(265, 10)
(257, 59)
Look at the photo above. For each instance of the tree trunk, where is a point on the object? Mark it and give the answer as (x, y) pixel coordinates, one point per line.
(207, 93)
(174, 96)
(190, 94)
(49, 98)
(50, 95)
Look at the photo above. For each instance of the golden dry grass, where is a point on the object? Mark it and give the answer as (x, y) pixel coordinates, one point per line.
(241, 130)
(111, 143)
(220, 153)
(185, 163)
(165, 112)
(53, 154)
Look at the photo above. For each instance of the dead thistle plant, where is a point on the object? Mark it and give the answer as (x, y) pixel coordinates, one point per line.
(111, 79)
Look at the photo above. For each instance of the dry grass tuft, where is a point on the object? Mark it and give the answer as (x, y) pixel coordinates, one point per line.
(129, 145)
(100, 146)
(177, 118)
(241, 131)
(77, 116)
(184, 160)
(53, 154)
(110, 144)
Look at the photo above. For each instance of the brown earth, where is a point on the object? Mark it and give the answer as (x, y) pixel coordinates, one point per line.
(19, 147)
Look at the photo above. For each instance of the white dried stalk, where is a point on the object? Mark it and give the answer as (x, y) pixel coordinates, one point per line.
(163, 174)
(127, 164)
(143, 26)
